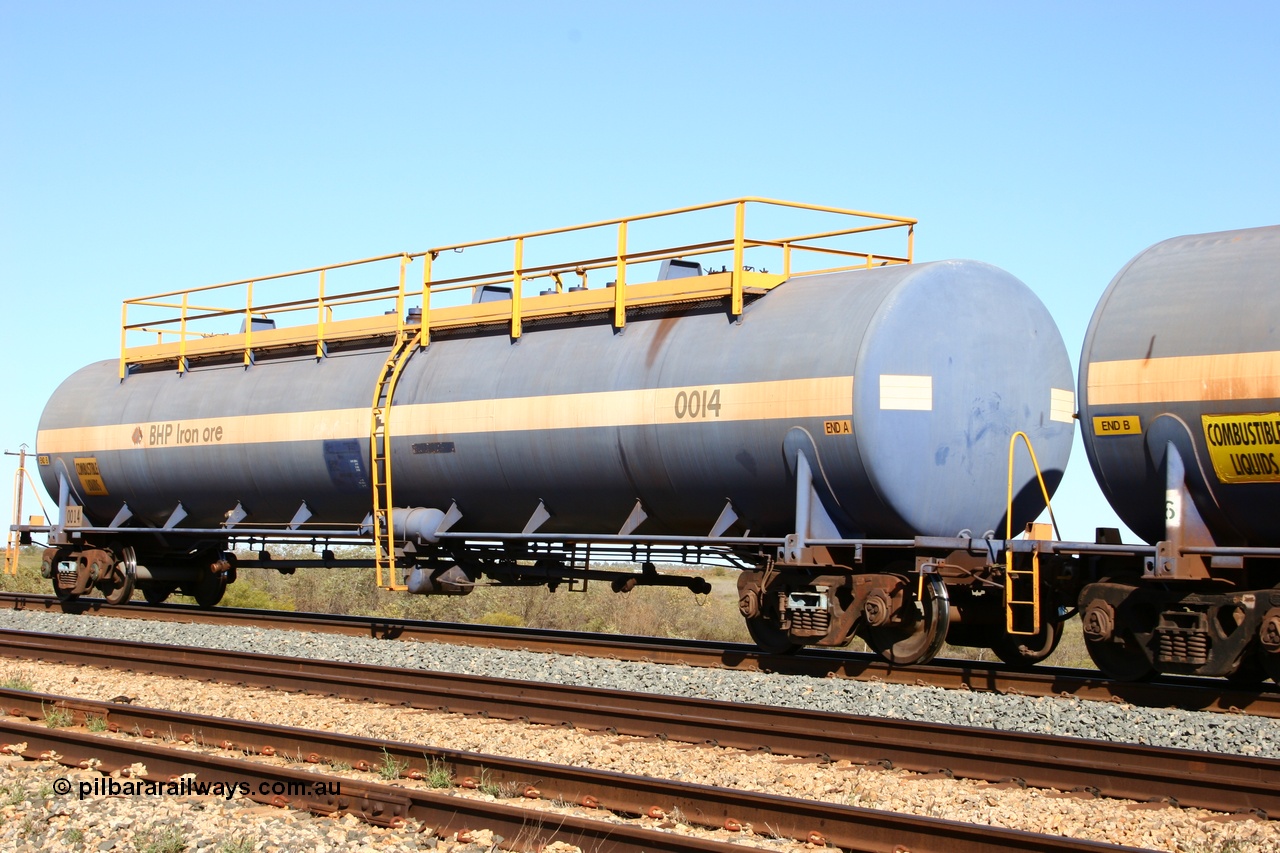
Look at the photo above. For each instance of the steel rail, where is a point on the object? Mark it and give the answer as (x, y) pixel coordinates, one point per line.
(1172, 692)
(1228, 783)
(847, 827)
(384, 805)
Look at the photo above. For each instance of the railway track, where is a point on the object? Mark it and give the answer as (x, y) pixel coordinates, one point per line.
(819, 823)
(1186, 693)
(1226, 783)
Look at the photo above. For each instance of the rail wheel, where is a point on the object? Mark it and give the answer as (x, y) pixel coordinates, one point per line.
(922, 634)
(1271, 666)
(1113, 648)
(1019, 650)
(117, 588)
(763, 622)
(770, 638)
(1267, 655)
(1252, 670)
(1121, 658)
(209, 589)
(157, 593)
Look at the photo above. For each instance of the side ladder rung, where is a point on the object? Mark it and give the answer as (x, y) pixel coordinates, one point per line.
(1012, 601)
(1017, 597)
(380, 456)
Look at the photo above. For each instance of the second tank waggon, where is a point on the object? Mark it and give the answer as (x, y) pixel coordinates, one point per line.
(1180, 407)
(839, 423)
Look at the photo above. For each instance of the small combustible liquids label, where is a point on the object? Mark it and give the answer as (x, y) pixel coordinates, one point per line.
(89, 475)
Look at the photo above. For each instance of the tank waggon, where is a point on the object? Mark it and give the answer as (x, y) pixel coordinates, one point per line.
(842, 436)
(683, 413)
(1180, 403)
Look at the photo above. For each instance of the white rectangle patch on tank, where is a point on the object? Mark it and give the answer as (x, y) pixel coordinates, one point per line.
(1062, 405)
(906, 393)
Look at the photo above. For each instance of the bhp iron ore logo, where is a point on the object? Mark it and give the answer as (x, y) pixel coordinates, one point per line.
(137, 435)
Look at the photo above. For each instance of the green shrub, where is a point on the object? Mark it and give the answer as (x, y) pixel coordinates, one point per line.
(28, 577)
(252, 595)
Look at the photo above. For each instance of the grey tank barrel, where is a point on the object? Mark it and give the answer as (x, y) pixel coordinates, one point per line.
(1182, 352)
(900, 386)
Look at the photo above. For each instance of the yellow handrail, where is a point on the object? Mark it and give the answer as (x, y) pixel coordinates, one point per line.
(1044, 490)
(323, 299)
(739, 226)
(1010, 572)
(620, 283)
(516, 287)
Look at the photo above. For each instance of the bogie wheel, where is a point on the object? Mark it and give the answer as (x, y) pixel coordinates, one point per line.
(770, 638)
(1025, 650)
(157, 594)
(117, 587)
(1251, 672)
(1270, 662)
(921, 637)
(1120, 655)
(1266, 653)
(1121, 658)
(209, 589)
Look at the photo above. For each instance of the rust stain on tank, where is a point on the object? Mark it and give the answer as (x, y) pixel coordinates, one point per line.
(666, 326)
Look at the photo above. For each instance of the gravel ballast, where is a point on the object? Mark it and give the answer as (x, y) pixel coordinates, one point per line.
(33, 821)
(1211, 732)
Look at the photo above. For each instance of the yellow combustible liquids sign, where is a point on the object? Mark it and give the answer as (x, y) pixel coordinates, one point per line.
(1244, 448)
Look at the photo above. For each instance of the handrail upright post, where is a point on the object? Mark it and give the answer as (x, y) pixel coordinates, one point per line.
(424, 337)
(911, 243)
(517, 280)
(320, 351)
(739, 238)
(620, 285)
(404, 262)
(124, 331)
(182, 336)
(248, 326)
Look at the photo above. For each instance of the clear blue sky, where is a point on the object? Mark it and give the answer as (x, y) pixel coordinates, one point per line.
(149, 146)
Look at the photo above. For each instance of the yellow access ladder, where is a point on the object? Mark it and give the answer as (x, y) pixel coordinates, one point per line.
(406, 344)
(1022, 583)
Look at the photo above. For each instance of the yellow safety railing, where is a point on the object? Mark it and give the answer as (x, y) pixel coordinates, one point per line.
(1016, 576)
(192, 323)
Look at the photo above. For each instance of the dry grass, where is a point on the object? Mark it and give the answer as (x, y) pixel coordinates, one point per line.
(28, 577)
